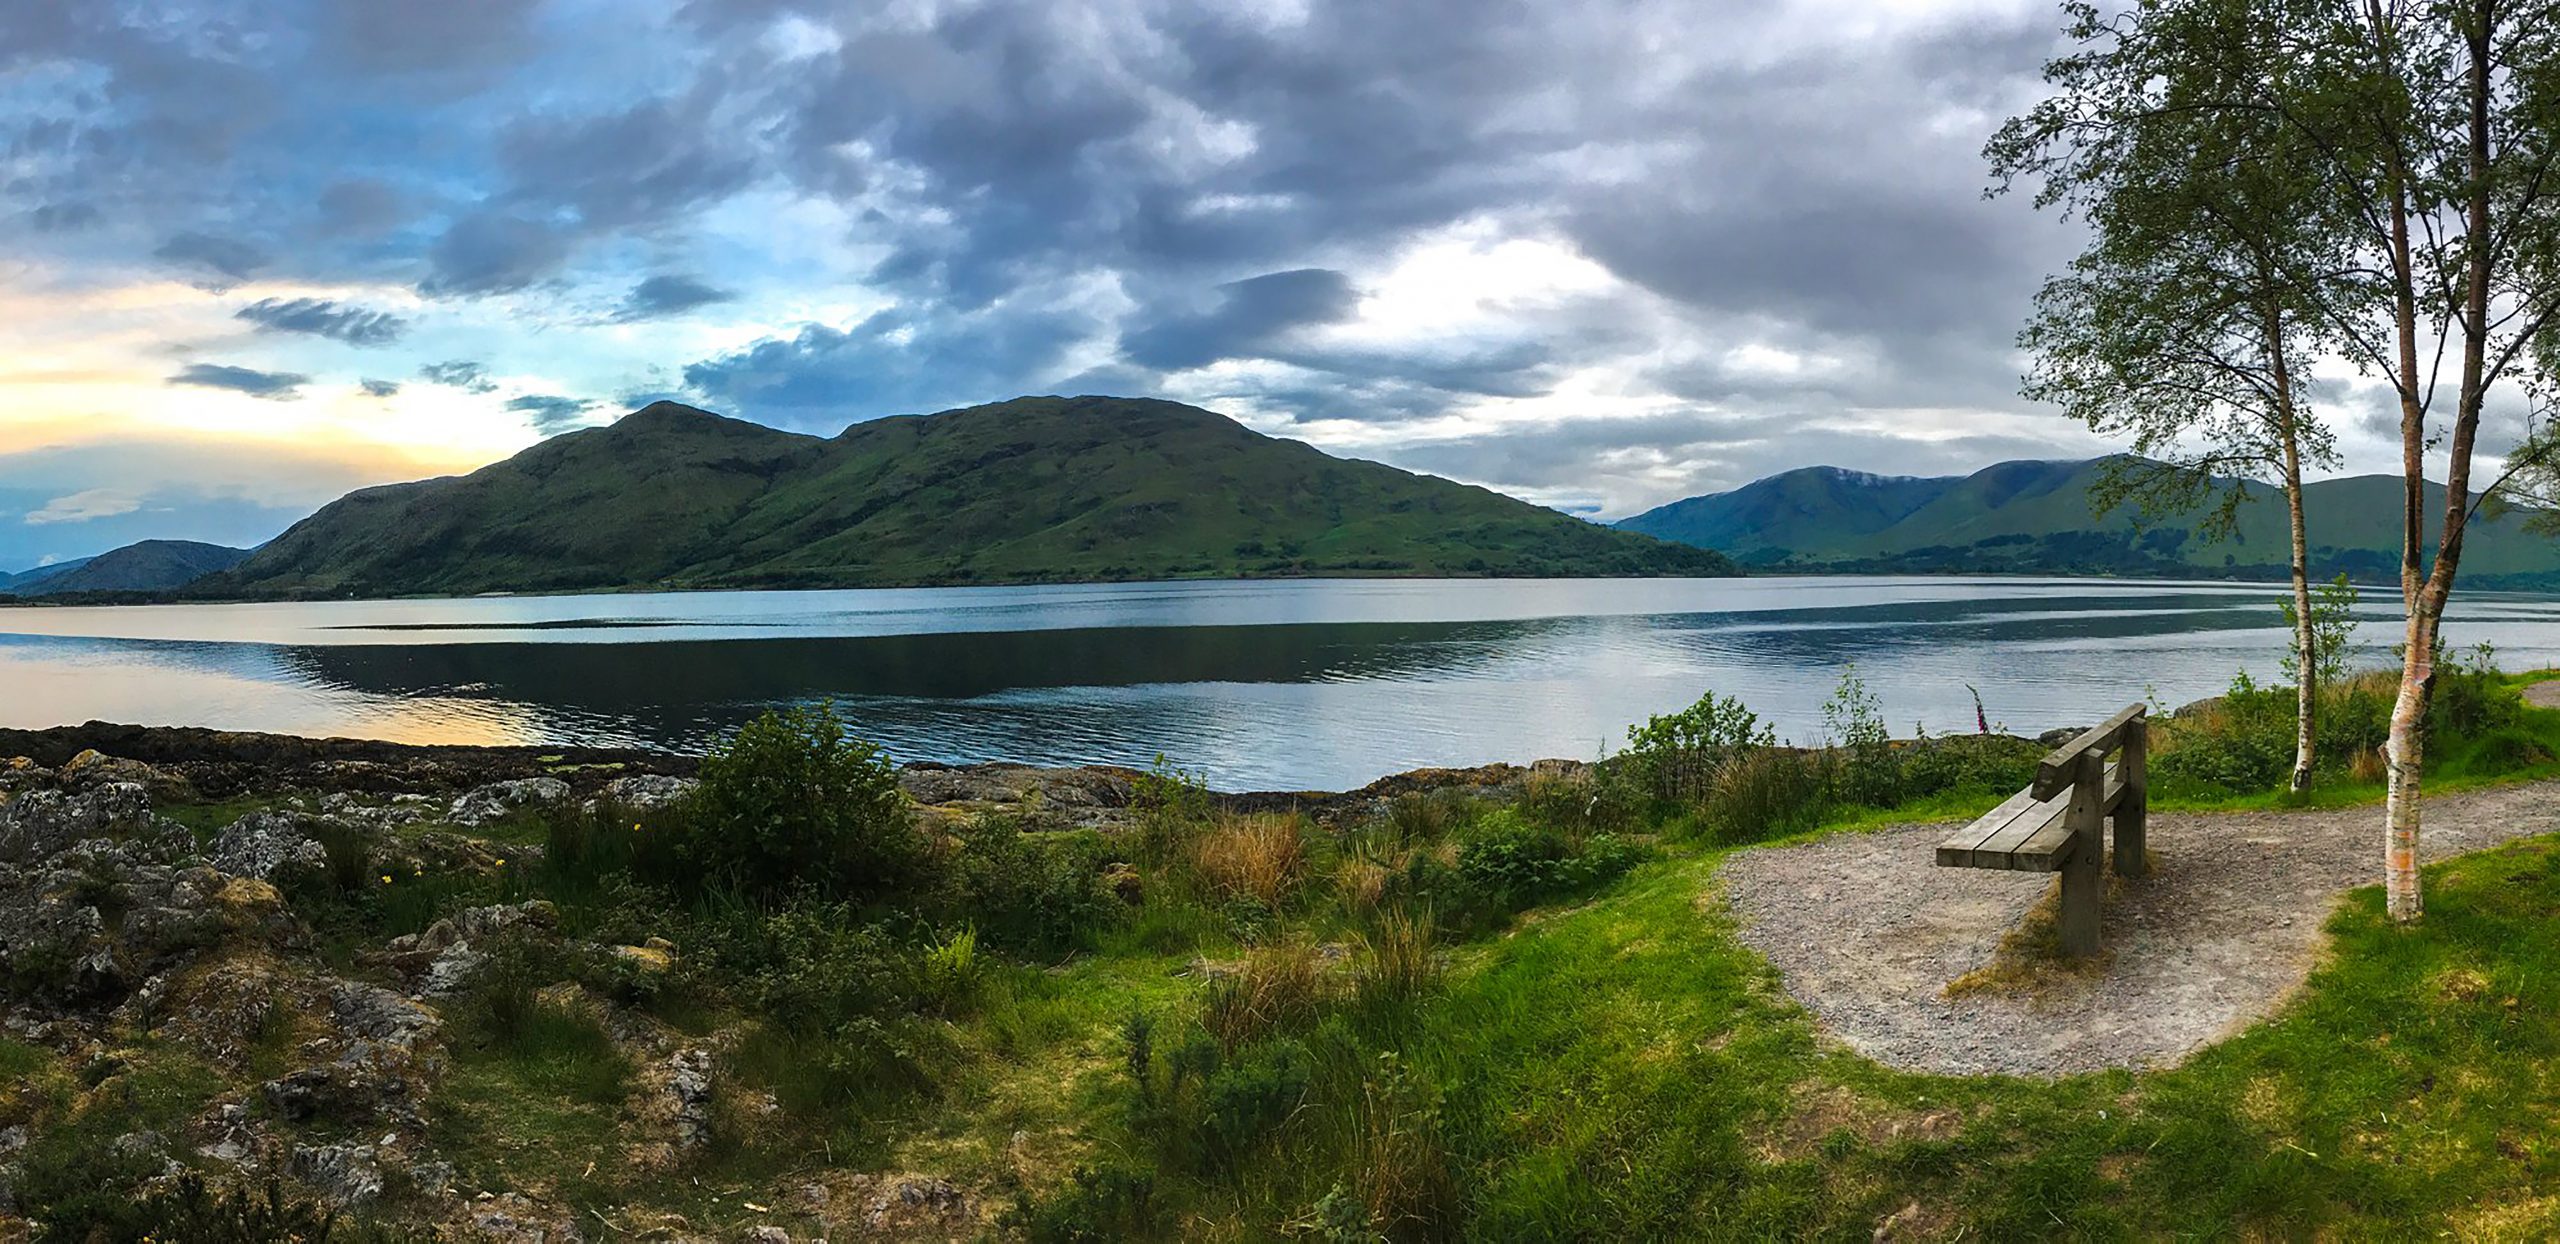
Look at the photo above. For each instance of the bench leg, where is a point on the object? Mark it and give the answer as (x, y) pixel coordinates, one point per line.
(2133, 856)
(2081, 883)
(2083, 871)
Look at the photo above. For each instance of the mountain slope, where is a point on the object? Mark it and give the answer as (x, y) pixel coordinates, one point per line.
(2035, 517)
(1036, 489)
(25, 581)
(144, 566)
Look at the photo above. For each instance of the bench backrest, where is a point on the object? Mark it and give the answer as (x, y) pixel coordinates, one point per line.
(2126, 730)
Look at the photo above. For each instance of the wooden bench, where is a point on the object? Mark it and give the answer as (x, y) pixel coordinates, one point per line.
(2054, 824)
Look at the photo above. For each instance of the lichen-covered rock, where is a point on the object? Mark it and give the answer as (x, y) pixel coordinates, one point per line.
(92, 769)
(643, 792)
(348, 1175)
(494, 802)
(1088, 796)
(441, 960)
(54, 946)
(689, 1091)
(261, 844)
(40, 824)
(374, 813)
(381, 1070)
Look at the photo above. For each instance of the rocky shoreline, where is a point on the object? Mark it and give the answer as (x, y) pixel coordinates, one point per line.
(187, 763)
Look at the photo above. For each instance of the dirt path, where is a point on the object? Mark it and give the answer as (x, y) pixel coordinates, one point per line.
(1868, 931)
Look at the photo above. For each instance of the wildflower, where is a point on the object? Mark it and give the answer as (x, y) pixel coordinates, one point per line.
(386, 878)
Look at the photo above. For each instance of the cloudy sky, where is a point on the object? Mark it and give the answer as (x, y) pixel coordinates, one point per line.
(1600, 255)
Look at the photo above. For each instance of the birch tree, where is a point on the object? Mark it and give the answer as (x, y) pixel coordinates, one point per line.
(2428, 130)
(2184, 327)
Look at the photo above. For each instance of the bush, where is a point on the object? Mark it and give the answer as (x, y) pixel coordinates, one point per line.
(2239, 744)
(1673, 759)
(1249, 1099)
(1096, 1207)
(1867, 771)
(1398, 963)
(1511, 860)
(792, 802)
(1031, 893)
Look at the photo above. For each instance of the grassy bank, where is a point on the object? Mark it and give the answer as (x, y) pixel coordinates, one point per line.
(1449, 1020)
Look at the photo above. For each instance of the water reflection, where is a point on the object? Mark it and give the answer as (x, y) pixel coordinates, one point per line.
(1273, 685)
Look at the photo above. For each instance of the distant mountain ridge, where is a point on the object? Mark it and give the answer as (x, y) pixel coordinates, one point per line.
(143, 566)
(1040, 489)
(2032, 517)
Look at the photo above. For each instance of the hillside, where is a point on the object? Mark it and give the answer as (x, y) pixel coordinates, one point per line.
(1035, 489)
(24, 581)
(144, 566)
(2036, 518)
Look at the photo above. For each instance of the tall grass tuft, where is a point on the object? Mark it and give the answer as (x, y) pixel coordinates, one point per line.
(1278, 988)
(1399, 963)
(1259, 857)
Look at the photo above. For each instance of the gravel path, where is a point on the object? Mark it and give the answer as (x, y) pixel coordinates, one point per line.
(1868, 931)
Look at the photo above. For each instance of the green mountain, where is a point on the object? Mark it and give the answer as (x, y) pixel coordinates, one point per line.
(2036, 518)
(144, 566)
(24, 582)
(1035, 489)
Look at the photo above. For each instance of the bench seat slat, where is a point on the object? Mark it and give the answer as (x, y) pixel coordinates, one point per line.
(1989, 823)
(2024, 834)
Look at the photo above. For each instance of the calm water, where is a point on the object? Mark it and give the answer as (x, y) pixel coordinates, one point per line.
(1271, 685)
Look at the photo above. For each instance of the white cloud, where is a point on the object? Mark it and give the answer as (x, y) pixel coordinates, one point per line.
(87, 504)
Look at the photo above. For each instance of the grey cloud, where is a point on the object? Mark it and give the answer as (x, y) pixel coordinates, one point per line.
(273, 385)
(551, 415)
(361, 207)
(320, 317)
(63, 217)
(460, 374)
(229, 259)
(1250, 314)
(893, 361)
(669, 294)
(405, 36)
(379, 388)
(493, 253)
(637, 168)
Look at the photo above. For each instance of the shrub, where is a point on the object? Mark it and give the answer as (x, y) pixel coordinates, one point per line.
(792, 802)
(1867, 771)
(1982, 763)
(1511, 860)
(1258, 857)
(1172, 807)
(1673, 759)
(1096, 1207)
(1252, 1097)
(1277, 989)
(2240, 743)
(1031, 892)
